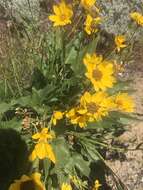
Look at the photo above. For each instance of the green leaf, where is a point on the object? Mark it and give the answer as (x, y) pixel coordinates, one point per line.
(105, 123)
(77, 63)
(62, 177)
(91, 48)
(38, 79)
(59, 41)
(61, 151)
(62, 154)
(23, 101)
(90, 147)
(120, 86)
(71, 58)
(46, 164)
(81, 164)
(117, 115)
(14, 124)
(4, 107)
(69, 167)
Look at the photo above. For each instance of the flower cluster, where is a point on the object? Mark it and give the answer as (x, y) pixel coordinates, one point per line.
(92, 20)
(92, 106)
(95, 106)
(63, 14)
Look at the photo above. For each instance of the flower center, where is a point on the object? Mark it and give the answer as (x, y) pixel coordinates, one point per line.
(92, 108)
(97, 75)
(93, 26)
(63, 17)
(119, 102)
(27, 185)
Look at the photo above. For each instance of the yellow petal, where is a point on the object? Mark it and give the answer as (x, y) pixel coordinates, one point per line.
(24, 178)
(66, 186)
(44, 130)
(33, 155)
(36, 178)
(58, 115)
(50, 153)
(36, 136)
(15, 186)
(53, 18)
(82, 111)
(54, 121)
(56, 10)
(44, 150)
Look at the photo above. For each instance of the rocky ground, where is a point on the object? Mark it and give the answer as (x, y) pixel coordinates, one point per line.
(130, 169)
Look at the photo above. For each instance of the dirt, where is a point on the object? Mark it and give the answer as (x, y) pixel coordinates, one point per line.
(130, 169)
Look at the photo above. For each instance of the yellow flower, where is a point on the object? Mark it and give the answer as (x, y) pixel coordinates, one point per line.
(87, 3)
(63, 14)
(97, 105)
(66, 186)
(76, 116)
(91, 24)
(97, 185)
(91, 108)
(124, 102)
(137, 17)
(26, 182)
(42, 149)
(43, 135)
(120, 42)
(90, 60)
(57, 115)
(100, 73)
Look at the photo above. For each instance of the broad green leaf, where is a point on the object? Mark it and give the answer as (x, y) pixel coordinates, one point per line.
(14, 124)
(120, 86)
(62, 177)
(91, 48)
(81, 164)
(23, 101)
(71, 58)
(105, 123)
(69, 167)
(46, 165)
(61, 151)
(4, 107)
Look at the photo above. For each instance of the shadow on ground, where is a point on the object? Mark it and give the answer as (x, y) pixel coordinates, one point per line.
(13, 157)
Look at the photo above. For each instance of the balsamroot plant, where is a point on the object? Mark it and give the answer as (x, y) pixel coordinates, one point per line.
(76, 98)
